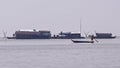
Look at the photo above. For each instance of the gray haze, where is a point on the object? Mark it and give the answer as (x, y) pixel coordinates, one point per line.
(60, 15)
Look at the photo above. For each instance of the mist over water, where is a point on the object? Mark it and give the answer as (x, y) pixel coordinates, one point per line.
(59, 53)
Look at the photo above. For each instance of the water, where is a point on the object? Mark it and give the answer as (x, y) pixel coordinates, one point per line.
(59, 54)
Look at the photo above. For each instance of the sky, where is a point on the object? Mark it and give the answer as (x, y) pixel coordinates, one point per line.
(60, 15)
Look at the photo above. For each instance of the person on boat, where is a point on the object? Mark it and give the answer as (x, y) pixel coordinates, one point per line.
(92, 37)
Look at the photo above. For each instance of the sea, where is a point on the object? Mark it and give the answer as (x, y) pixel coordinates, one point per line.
(59, 53)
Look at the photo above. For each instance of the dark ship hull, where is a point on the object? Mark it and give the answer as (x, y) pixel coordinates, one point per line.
(77, 41)
(31, 35)
(104, 36)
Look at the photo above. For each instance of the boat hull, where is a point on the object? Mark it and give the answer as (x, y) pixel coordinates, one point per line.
(105, 37)
(77, 41)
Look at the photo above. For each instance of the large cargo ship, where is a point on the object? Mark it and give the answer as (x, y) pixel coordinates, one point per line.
(34, 34)
(104, 35)
(68, 35)
(38, 34)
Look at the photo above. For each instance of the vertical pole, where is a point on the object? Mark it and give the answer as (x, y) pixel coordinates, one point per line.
(80, 28)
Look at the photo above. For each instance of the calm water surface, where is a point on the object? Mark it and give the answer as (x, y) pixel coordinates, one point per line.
(56, 53)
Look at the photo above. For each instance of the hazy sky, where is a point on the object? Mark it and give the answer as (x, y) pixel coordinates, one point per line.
(60, 15)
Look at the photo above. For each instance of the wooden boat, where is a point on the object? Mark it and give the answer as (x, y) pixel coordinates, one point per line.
(78, 41)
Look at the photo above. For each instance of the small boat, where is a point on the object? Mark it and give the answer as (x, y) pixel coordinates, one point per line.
(82, 41)
(78, 41)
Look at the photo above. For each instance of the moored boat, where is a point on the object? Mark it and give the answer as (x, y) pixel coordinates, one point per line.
(79, 41)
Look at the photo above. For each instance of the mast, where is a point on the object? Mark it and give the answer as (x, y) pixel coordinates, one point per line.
(80, 28)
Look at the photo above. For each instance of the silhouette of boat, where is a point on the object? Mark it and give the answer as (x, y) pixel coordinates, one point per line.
(80, 41)
(104, 36)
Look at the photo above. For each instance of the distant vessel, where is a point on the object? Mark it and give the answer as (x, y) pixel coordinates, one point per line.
(34, 34)
(104, 36)
(67, 35)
